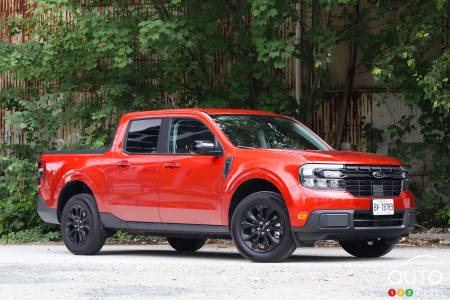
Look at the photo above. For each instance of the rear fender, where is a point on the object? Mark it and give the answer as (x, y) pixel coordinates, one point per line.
(100, 193)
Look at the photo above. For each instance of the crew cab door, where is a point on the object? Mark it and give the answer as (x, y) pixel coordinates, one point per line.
(134, 173)
(190, 183)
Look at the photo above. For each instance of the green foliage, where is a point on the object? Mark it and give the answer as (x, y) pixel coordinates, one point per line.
(407, 61)
(433, 126)
(32, 235)
(421, 76)
(18, 194)
(123, 237)
(372, 135)
(94, 64)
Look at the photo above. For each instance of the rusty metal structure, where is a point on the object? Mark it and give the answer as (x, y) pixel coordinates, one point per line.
(324, 120)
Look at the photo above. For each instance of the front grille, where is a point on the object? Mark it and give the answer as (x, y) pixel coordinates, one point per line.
(366, 219)
(360, 180)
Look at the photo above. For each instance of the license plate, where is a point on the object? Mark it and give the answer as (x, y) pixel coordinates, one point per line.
(382, 207)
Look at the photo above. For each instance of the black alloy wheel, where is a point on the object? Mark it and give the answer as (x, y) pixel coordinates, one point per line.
(260, 228)
(81, 227)
(78, 226)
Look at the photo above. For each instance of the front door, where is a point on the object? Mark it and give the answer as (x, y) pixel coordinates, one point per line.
(190, 183)
(134, 173)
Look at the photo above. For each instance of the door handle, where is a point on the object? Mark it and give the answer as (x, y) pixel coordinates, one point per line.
(172, 165)
(123, 164)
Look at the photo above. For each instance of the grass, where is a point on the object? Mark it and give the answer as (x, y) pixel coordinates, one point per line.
(35, 235)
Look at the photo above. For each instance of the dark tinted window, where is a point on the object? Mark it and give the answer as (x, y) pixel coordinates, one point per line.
(143, 136)
(184, 132)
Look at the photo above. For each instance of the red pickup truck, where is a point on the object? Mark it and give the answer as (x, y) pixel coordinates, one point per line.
(262, 179)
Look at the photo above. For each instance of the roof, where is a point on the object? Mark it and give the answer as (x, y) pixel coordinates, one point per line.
(210, 111)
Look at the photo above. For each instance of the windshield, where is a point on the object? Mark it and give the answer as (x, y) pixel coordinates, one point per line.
(269, 132)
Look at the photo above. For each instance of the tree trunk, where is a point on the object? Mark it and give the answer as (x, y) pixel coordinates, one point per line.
(348, 83)
(309, 77)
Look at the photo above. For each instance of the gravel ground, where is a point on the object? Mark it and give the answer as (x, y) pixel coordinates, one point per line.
(217, 271)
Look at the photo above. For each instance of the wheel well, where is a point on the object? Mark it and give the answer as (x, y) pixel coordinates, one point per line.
(249, 187)
(70, 189)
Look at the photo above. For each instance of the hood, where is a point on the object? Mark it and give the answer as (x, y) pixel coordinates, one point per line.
(339, 157)
(350, 157)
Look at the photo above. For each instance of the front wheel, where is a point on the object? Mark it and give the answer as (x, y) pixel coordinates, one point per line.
(369, 249)
(186, 244)
(260, 228)
(81, 228)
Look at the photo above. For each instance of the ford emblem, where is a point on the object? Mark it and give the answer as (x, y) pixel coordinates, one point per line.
(378, 174)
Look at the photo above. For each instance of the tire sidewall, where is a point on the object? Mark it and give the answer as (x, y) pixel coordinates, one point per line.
(285, 247)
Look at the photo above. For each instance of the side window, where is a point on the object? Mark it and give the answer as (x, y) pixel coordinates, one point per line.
(142, 136)
(184, 132)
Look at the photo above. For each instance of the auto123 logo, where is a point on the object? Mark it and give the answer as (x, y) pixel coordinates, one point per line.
(418, 277)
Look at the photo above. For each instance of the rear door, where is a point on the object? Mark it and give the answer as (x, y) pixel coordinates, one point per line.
(190, 183)
(134, 174)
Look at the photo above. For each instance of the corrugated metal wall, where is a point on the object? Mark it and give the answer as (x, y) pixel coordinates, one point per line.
(324, 119)
(364, 107)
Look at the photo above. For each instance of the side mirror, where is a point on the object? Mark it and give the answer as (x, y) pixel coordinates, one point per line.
(207, 148)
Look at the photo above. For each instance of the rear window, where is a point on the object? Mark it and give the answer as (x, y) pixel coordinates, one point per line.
(142, 136)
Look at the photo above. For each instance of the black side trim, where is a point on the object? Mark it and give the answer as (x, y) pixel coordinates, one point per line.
(164, 229)
(46, 213)
(227, 166)
(163, 140)
(79, 151)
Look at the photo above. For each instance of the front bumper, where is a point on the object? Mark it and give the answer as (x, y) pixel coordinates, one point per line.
(354, 224)
(47, 214)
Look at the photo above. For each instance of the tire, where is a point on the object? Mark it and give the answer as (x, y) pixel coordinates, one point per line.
(369, 249)
(186, 244)
(261, 229)
(81, 227)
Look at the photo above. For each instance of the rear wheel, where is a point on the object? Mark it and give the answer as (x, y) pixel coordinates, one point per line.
(81, 228)
(367, 249)
(186, 244)
(260, 228)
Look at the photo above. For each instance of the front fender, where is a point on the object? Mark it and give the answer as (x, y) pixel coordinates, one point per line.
(234, 182)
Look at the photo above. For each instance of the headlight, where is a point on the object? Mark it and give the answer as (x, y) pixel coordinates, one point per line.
(405, 185)
(322, 176)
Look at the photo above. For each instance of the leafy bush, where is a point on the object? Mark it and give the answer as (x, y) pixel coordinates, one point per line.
(30, 236)
(18, 195)
(433, 195)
